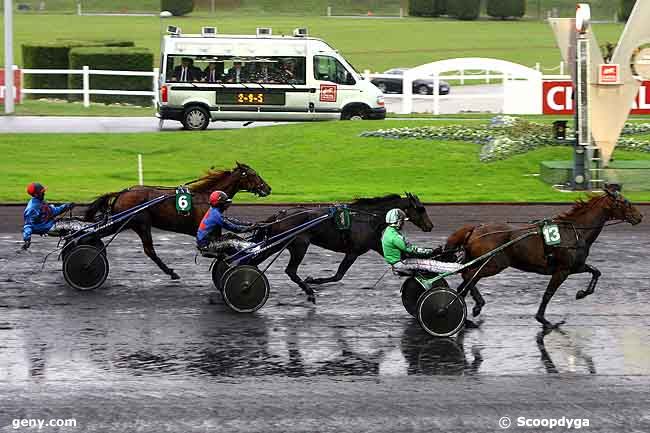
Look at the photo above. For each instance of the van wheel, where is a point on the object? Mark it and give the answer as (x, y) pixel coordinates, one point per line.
(196, 118)
(355, 114)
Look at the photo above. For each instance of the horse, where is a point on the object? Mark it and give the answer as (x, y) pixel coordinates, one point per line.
(165, 217)
(367, 225)
(578, 229)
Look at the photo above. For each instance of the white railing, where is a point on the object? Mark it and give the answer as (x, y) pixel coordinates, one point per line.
(86, 91)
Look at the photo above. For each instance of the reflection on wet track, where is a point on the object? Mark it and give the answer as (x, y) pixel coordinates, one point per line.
(142, 328)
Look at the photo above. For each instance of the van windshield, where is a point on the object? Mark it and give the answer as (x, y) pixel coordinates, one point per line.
(211, 69)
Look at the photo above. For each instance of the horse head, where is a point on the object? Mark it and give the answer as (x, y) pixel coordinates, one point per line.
(619, 207)
(250, 181)
(417, 213)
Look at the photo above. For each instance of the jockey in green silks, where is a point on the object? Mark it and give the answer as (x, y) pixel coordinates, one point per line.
(406, 258)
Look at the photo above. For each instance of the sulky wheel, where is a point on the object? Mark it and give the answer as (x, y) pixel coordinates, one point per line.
(411, 291)
(85, 267)
(245, 289)
(218, 270)
(441, 312)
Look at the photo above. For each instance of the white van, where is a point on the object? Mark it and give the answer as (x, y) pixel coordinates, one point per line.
(263, 77)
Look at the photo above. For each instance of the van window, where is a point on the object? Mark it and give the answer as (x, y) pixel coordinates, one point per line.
(224, 69)
(328, 68)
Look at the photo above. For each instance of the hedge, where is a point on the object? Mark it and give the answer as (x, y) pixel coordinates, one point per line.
(465, 9)
(177, 7)
(422, 8)
(55, 55)
(113, 58)
(506, 8)
(441, 8)
(625, 9)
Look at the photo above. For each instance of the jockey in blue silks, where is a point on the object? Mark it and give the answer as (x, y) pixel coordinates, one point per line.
(39, 216)
(209, 236)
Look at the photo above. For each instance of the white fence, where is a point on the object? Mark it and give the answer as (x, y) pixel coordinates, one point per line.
(86, 91)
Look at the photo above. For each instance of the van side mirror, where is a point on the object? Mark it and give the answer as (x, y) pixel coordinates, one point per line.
(349, 79)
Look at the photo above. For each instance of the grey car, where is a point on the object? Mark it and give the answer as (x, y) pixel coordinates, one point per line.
(421, 86)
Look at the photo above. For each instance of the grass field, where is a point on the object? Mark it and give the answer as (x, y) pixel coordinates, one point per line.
(368, 44)
(302, 162)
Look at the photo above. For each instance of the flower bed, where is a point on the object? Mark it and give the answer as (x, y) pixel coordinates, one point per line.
(505, 136)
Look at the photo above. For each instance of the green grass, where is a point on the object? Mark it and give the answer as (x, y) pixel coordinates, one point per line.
(64, 108)
(302, 162)
(368, 44)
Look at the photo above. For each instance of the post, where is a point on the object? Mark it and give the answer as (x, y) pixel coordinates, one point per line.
(156, 83)
(401, 12)
(213, 7)
(9, 57)
(538, 67)
(79, 8)
(462, 77)
(140, 175)
(86, 86)
(562, 67)
(436, 94)
(329, 11)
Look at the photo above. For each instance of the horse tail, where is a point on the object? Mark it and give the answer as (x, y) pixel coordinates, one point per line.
(459, 238)
(102, 204)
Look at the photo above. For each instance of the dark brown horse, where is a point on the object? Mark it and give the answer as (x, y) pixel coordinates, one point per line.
(367, 224)
(164, 215)
(579, 228)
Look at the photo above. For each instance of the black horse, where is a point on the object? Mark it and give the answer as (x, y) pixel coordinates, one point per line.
(367, 224)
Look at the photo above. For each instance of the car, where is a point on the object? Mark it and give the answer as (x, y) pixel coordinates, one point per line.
(421, 86)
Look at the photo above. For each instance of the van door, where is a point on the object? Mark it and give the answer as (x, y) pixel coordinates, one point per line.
(335, 87)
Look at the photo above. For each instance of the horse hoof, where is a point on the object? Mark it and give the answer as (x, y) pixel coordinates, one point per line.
(175, 276)
(548, 326)
(470, 324)
(581, 294)
(308, 280)
(312, 299)
(476, 310)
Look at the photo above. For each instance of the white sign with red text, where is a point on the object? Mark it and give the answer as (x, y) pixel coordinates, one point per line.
(17, 86)
(609, 74)
(558, 98)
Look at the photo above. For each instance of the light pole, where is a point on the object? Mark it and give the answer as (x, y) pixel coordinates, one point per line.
(9, 57)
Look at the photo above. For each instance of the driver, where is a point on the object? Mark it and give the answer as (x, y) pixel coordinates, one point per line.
(209, 238)
(39, 215)
(406, 258)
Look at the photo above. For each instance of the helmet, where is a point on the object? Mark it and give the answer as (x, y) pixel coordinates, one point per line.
(35, 189)
(219, 197)
(395, 217)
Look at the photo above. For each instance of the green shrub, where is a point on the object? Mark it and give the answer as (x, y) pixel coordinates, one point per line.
(56, 55)
(113, 58)
(465, 9)
(422, 8)
(625, 9)
(177, 7)
(441, 8)
(506, 8)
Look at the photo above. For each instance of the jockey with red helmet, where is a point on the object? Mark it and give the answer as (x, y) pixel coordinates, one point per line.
(214, 221)
(39, 215)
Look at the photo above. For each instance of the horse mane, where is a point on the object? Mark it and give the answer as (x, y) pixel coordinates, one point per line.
(375, 201)
(207, 181)
(581, 206)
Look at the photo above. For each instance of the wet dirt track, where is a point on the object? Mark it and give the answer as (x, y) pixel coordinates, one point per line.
(147, 354)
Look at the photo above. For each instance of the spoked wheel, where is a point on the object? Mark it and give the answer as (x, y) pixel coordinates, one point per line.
(412, 290)
(441, 312)
(97, 243)
(218, 270)
(245, 289)
(85, 267)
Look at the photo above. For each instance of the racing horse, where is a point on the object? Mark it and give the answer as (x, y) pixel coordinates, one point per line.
(165, 217)
(367, 224)
(578, 229)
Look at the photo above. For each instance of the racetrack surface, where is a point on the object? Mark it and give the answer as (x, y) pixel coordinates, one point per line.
(147, 354)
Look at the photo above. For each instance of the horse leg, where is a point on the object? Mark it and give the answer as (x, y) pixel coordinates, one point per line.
(479, 302)
(556, 281)
(348, 261)
(144, 232)
(298, 249)
(595, 275)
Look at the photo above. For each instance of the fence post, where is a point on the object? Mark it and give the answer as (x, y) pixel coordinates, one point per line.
(156, 77)
(462, 77)
(329, 11)
(79, 8)
(562, 68)
(538, 67)
(140, 174)
(213, 8)
(401, 12)
(86, 86)
(436, 94)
